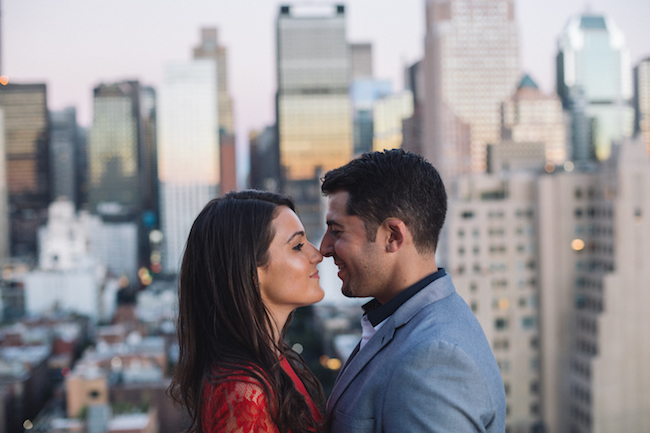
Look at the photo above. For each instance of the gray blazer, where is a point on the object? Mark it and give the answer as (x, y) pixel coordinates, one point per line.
(428, 369)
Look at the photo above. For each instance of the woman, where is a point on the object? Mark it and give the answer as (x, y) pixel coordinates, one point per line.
(247, 266)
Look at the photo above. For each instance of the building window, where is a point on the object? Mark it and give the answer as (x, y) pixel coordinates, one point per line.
(501, 323)
(528, 322)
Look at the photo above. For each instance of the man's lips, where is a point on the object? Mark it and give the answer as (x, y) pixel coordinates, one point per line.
(314, 275)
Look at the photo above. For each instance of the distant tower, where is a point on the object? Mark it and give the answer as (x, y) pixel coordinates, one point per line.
(209, 48)
(471, 65)
(188, 151)
(63, 153)
(4, 199)
(594, 83)
(313, 105)
(121, 149)
(594, 243)
(530, 116)
(26, 128)
(642, 101)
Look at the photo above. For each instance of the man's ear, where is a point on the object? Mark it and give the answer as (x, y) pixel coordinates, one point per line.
(396, 234)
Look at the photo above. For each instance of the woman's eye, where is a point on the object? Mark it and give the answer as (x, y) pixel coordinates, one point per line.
(298, 247)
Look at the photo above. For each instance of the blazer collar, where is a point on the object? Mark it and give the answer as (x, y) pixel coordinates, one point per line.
(437, 290)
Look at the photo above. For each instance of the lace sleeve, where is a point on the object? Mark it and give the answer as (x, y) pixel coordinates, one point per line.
(237, 406)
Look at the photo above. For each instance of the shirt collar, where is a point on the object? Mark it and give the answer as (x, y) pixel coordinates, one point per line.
(377, 312)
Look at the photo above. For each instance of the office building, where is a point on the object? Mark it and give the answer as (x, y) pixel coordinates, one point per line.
(388, 114)
(596, 294)
(113, 146)
(26, 128)
(530, 116)
(209, 48)
(4, 198)
(594, 81)
(491, 252)
(63, 152)
(471, 65)
(642, 101)
(264, 160)
(188, 151)
(313, 104)
(360, 60)
(412, 126)
(364, 91)
(121, 157)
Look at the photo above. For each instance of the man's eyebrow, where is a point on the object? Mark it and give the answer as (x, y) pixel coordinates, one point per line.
(333, 223)
(300, 233)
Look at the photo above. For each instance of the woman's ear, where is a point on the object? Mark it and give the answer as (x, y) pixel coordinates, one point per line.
(396, 234)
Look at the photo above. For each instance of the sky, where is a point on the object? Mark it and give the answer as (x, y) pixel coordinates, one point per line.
(73, 45)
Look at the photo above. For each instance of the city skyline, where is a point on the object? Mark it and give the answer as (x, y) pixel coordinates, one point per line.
(87, 46)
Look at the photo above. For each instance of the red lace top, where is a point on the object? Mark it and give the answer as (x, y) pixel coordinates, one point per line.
(240, 405)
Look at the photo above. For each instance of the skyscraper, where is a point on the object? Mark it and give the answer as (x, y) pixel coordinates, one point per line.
(594, 81)
(388, 114)
(594, 241)
(471, 65)
(188, 151)
(113, 146)
(642, 101)
(313, 105)
(26, 129)
(491, 252)
(209, 48)
(63, 153)
(4, 199)
(121, 157)
(530, 116)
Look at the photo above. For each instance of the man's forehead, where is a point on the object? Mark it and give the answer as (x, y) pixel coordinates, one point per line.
(337, 205)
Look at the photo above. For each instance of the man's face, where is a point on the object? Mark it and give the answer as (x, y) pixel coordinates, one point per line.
(359, 261)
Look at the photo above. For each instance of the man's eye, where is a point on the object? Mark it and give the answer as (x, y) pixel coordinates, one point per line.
(298, 247)
(336, 233)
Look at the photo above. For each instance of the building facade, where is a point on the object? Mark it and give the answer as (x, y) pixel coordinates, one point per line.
(26, 126)
(642, 101)
(63, 153)
(209, 48)
(313, 104)
(594, 81)
(471, 65)
(530, 116)
(490, 248)
(188, 151)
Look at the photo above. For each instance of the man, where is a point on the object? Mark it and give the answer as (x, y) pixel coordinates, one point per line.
(423, 363)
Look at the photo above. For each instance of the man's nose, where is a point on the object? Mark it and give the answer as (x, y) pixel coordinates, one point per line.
(327, 246)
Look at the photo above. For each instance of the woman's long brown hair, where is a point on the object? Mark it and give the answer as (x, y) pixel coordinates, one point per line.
(223, 325)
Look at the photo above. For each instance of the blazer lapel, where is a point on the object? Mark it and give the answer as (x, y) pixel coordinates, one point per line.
(435, 291)
(356, 363)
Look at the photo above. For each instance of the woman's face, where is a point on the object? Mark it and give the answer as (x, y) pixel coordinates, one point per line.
(290, 277)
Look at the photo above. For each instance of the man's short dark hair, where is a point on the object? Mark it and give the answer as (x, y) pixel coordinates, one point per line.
(393, 184)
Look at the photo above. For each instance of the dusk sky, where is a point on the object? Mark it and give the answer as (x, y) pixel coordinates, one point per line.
(73, 45)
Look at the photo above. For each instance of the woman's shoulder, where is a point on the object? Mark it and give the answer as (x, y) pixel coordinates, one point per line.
(237, 402)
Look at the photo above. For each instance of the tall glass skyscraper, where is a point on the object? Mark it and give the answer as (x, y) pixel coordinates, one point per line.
(313, 104)
(594, 81)
(113, 146)
(188, 151)
(26, 132)
(121, 157)
(471, 65)
(209, 48)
